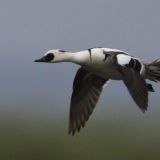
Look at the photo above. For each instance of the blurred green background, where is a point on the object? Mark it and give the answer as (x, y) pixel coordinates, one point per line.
(110, 135)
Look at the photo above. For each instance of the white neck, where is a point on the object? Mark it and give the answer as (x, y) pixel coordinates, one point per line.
(81, 57)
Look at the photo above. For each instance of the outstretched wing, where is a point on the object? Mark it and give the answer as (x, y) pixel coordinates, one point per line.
(136, 86)
(86, 91)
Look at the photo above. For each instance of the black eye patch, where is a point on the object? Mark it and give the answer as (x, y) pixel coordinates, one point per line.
(49, 57)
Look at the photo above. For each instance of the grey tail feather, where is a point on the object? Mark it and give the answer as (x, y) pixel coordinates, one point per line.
(153, 70)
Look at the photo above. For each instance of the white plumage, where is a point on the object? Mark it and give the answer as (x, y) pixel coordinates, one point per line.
(123, 59)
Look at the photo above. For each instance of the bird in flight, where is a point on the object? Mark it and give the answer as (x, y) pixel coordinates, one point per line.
(97, 67)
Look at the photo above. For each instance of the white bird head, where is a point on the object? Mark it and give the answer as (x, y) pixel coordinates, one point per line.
(53, 56)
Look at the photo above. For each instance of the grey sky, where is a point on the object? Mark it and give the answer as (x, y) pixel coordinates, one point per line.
(31, 27)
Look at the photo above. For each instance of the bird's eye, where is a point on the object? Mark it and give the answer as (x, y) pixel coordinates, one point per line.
(49, 57)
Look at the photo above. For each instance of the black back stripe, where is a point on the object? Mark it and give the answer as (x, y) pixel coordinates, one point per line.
(105, 57)
(90, 53)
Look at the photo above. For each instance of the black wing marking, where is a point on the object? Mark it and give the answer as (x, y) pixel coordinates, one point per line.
(106, 55)
(86, 91)
(136, 86)
(138, 66)
(135, 64)
(112, 54)
(90, 53)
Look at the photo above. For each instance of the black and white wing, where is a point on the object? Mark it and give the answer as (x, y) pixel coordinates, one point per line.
(86, 91)
(136, 84)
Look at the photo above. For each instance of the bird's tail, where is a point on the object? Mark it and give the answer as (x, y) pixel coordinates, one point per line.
(153, 70)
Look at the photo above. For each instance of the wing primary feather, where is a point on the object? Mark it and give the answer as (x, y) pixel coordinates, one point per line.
(136, 85)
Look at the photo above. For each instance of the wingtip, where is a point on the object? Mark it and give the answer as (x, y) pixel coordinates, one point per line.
(71, 132)
(144, 110)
